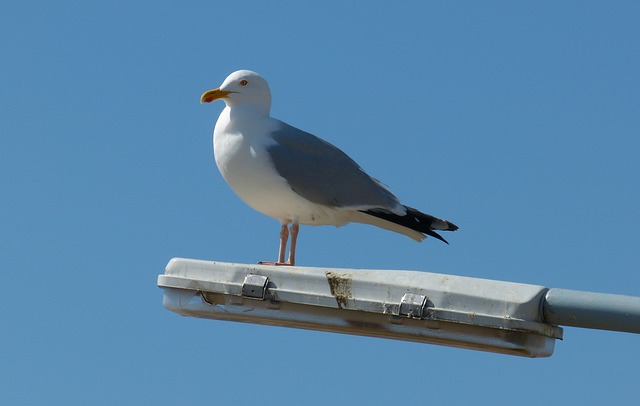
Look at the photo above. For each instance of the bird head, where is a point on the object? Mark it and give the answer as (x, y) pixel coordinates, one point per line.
(241, 88)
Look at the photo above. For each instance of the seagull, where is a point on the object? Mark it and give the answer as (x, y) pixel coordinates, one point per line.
(297, 178)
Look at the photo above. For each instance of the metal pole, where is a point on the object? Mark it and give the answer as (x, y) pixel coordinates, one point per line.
(601, 311)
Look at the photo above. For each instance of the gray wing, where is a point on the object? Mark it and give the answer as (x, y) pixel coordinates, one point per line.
(323, 174)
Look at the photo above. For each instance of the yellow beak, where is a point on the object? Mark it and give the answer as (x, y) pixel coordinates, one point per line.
(215, 94)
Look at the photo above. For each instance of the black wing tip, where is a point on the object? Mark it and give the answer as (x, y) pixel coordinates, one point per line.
(436, 235)
(451, 226)
(417, 221)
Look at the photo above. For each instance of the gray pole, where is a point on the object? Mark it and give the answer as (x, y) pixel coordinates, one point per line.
(601, 311)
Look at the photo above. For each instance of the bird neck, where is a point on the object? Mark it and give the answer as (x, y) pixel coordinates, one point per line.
(242, 119)
(248, 111)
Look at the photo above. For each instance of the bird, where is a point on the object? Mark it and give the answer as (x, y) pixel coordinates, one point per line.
(296, 177)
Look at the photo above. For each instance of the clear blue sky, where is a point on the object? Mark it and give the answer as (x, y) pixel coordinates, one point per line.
(519, 121)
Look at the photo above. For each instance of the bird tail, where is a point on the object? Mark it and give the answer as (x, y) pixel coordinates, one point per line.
(415, 220)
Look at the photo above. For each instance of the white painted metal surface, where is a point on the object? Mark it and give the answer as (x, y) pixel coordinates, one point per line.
(424, 307)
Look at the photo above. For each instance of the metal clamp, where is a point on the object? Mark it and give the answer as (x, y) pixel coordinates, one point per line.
(255, 286)
(412, 305)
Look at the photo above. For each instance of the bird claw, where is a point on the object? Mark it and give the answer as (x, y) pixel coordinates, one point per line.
(275, 263)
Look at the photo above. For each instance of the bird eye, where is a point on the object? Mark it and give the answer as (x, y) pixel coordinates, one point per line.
(243, 82)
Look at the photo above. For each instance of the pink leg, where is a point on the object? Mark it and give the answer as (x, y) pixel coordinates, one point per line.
(284, 237)
(294, 239)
